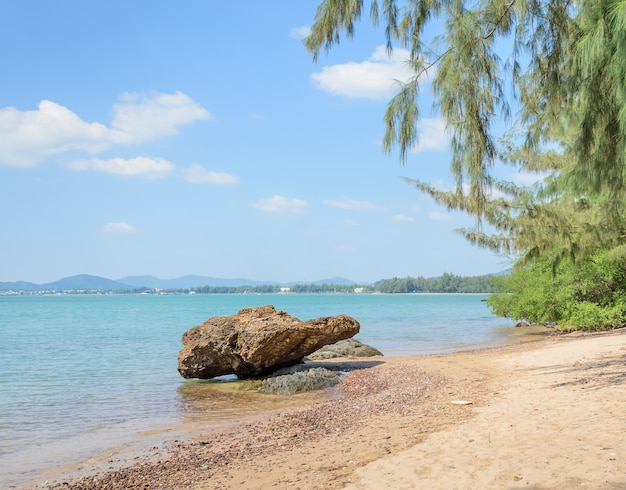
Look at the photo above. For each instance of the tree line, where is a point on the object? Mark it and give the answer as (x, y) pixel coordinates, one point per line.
(446, 283)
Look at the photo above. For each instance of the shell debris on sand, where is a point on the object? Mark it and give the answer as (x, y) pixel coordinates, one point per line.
(364, 394)
(461, 402)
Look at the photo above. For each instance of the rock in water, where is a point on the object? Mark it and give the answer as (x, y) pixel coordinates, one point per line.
(300, 381)
(256, 341)
(344, 348)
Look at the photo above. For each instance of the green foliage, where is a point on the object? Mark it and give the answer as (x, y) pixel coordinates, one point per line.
(550, 58)
(563, 64)
(589, 294)
(447, 283)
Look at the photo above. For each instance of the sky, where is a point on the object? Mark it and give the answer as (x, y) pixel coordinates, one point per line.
(199, 137)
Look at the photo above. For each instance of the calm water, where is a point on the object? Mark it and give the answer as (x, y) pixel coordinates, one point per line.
(80, 373)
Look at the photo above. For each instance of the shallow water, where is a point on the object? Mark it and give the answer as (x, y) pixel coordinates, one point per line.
(79, 374)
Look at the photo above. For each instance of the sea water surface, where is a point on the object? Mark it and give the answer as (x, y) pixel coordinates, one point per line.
(80, 373)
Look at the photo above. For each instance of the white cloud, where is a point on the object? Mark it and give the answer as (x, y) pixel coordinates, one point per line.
(347, 203)
(257, 116)
(27, 138)
(197, 174)
(280, 204)
(375, 78)
(138, 117)
(403, 217)
(299, 33)
(133, 167)
(439, 216)
(119, 227)
(528, 178)
(432, 135)
(497, 194)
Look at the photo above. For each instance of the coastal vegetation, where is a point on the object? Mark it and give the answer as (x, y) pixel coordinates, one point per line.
(589, 294)
(518, 84)
(446, 283)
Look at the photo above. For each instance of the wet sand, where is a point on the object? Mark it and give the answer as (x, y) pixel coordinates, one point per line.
(544, 414)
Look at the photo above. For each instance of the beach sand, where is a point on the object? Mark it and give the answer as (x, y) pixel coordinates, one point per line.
(546, 414)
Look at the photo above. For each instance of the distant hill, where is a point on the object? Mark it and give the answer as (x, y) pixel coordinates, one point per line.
(186, 282)
(86, 282)
(340, 281)
(19, 286)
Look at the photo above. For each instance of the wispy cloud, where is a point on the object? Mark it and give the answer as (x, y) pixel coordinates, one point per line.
(432, 135)
(28, 138)
(280, 204)
(299, 33)
(197, 174)
(119, 227)
(145, 167)
(345, 248)
(347, 203)
(374, 78)
(528, 178)
(403, 218)
(439, 216)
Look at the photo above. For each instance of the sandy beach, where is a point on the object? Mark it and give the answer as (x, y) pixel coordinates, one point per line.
(544, 414)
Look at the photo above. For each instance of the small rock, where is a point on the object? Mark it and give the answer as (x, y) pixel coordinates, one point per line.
(344, 348)
(300, 381)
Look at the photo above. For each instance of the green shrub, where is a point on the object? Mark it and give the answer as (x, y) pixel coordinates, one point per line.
(589, 294)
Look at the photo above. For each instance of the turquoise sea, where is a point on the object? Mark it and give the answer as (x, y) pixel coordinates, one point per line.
(79, 374)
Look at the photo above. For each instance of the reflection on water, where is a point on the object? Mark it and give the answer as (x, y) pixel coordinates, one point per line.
(524, 334)
(228, 399)
(215, 401)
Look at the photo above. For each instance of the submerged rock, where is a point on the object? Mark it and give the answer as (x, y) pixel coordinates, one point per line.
(256, 341)
(308, 379)
(344, 348)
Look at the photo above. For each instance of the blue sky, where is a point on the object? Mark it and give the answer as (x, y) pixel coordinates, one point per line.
(198, 137)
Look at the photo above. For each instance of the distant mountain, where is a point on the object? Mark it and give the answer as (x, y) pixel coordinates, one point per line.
(340, 281)
(141, 281)
(86, 282)
(186, 282)
(19, 286)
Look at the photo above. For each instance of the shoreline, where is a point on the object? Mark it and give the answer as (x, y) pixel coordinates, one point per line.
(390, 412)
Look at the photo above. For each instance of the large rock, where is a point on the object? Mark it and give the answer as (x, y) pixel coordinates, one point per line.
(256, 341)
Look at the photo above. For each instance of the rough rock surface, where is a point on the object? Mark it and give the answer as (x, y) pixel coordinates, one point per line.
(299, 381)
(344, 348)
(256, 341)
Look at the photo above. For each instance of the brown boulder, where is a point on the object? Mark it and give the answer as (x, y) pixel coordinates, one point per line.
(256, 341)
